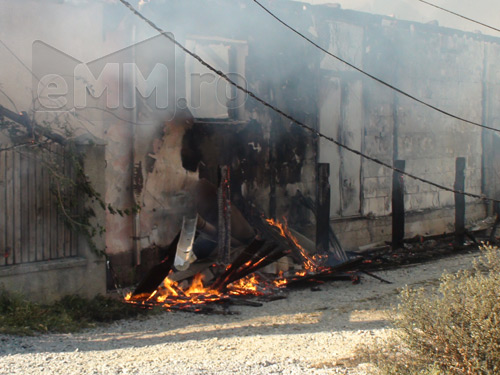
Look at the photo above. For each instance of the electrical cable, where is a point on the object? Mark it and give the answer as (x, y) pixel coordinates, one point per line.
(299, 123)
(30, 143)
(459, 15)
(392, 87)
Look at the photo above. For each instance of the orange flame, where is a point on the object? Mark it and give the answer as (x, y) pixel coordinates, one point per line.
(197, 285)
(171, 295)
(280, 281)
(246, 285)
(308, 262)
(170, 286)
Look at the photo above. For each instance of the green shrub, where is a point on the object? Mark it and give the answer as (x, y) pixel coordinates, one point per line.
(454, 331)
(71, 313)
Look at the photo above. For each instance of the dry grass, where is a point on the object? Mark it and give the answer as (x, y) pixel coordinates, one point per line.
(21, 317)
(452, 330)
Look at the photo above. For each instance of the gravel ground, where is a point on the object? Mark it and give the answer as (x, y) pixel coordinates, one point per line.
(307, 333)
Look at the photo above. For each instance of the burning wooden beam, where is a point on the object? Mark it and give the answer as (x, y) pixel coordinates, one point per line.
(240, 278)
(259, 262)
(247, 254)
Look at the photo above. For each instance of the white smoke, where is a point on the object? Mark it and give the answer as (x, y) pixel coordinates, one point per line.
(485, 11)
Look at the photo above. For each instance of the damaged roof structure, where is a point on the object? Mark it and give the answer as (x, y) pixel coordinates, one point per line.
(166, 124)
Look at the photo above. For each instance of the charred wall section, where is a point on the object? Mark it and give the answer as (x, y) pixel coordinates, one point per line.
(271, 158)
(156, 158)
(449, 69)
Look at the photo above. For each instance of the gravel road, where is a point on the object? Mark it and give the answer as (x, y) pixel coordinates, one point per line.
(307, 333)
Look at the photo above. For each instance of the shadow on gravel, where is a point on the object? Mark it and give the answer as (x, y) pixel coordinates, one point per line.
(303, 312)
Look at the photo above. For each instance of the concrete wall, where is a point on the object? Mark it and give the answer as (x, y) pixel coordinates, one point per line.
(452, 70)
(491, 114)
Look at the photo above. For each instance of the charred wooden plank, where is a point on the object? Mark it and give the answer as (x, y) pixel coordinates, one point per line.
(224, 215)
(272, 256)
(273, 297)
(244, 302)
(306, 281)
(376, 277)
(247, 268)
(398, 209)
(331, 273)
(158, 273)
(285, 240)
(323, 207)
(244, 257)
(459, 202)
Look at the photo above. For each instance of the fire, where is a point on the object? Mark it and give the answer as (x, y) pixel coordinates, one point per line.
(171, 287)
(278, 225)
(197, 285)
(174, 296)
(247, 285)
(280, 281)
(309, 263)
(170, 294)
(152, 295)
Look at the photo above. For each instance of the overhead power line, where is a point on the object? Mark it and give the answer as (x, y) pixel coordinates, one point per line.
(299, 123)
(18, 59)
(31, 143)
(392, 87)
(459, 15)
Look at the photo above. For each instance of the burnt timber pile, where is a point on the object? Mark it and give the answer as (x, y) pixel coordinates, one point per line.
(237, 274)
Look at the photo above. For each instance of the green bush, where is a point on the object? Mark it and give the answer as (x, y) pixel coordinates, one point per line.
(71, 313)
(454, 331)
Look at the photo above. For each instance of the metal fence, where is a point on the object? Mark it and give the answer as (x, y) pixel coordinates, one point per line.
(32, 228)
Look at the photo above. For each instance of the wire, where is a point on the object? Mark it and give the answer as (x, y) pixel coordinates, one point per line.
(299, 123)
(10, 100)
(404, 93)
(18, 59)
(29, 143)
(459, 15)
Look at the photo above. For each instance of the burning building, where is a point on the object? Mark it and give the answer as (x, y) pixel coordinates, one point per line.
(177, 136)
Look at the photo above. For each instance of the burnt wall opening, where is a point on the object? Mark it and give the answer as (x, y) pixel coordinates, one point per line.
(259, 164)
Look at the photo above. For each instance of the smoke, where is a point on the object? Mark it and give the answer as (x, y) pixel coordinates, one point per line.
(485, 11)
(279, 66)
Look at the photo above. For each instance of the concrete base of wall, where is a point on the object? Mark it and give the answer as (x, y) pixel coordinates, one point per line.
(48, 281)
(361, 231)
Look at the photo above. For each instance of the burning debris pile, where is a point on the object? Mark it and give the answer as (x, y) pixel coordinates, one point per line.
(242, 277)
